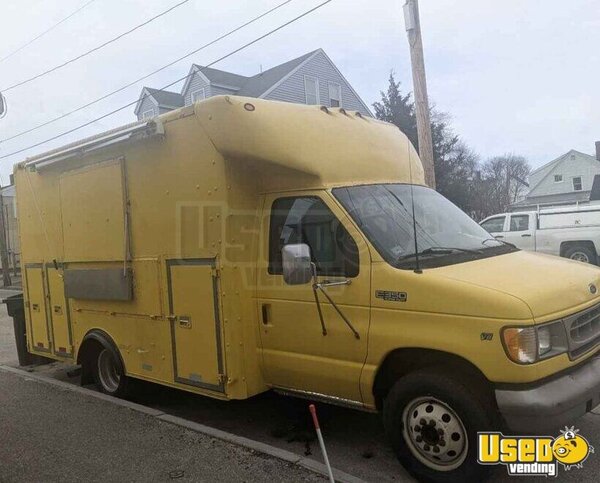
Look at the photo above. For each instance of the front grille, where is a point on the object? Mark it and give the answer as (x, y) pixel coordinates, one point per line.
(584, 331)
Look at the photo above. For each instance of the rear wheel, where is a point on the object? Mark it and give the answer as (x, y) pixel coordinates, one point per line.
(109, 374)
(581, 253)
(432, 421)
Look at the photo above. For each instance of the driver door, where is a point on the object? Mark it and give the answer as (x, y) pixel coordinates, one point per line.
(296, 353)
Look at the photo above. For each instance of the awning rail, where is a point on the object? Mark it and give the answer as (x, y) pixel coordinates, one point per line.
(134, 131)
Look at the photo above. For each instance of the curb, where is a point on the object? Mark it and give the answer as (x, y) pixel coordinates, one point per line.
(282, 454)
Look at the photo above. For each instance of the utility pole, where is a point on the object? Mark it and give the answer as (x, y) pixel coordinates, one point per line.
(413, 29)
(3, 247)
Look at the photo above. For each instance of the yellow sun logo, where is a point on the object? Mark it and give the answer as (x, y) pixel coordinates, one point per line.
(571, 449)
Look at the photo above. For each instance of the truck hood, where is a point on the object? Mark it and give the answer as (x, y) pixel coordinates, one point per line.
(552, 287)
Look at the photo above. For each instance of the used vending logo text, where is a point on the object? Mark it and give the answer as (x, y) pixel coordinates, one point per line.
(534, 455)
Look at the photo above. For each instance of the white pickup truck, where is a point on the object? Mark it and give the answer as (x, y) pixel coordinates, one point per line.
(569, 232)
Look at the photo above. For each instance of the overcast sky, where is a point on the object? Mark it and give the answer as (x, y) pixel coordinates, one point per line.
(515, 75)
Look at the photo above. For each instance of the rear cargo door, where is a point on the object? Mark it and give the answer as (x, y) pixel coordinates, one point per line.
(36, 298)
(195, 323)
(59, 313)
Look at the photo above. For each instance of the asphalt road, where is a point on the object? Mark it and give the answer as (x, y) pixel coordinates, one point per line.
(49, 434)
(355, 440)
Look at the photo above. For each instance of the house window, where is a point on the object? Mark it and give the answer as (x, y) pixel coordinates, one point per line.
(577, 183)
(335, 95)
(311, 89)
(148, 114)
(558, 178)
(198, 95)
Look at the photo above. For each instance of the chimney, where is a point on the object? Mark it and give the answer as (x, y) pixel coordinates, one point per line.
(598, 150)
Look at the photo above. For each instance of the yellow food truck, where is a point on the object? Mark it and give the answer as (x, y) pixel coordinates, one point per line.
(239, 245)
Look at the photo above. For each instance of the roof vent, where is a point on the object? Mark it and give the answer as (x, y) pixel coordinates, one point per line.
(343, 111)
(324, 109)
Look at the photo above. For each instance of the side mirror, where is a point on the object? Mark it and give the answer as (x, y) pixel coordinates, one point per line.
(297, 269)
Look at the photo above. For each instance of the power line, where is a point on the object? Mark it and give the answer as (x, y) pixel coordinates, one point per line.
(55, 68)
(252, 42)
(45, 32)
(62, 116)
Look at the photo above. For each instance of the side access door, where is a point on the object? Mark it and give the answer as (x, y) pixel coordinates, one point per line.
(195, 323)
(302, 353)
(37, 308)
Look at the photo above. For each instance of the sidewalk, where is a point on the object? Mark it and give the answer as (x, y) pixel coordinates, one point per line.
(48, 434)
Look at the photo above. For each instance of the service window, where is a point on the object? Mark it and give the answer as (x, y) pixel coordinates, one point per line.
(494, 225)
(308, 220)
(519, 223)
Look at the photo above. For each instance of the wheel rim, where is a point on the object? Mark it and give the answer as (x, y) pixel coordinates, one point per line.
(435, 434)
(580, 257)
(108, 372)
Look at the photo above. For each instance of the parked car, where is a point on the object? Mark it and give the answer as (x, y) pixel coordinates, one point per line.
(569, 232)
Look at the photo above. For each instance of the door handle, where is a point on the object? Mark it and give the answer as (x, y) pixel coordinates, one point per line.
(499, 236)
(526, 235)
(266, 311)
(184, 321)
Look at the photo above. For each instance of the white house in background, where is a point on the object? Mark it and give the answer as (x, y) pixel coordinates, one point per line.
(310, 79)
(565, 181)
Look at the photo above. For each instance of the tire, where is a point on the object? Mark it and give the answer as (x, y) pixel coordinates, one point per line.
(581, 253)
(108, 373)
(459, 411)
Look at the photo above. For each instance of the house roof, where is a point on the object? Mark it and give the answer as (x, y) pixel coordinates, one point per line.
(260, 83)
(560, 198)
(166, 98)
(216, 76)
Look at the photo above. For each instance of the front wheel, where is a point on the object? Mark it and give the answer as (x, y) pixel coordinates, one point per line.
(109, 374)
(432, 421)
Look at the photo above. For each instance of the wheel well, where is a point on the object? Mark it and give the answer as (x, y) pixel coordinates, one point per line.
(564, 246)
(95, 341)
(401, 362)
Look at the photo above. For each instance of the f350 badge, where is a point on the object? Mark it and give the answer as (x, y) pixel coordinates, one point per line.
(391, 296)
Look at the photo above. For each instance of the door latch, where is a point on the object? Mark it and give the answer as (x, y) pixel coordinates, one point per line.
(184, 321)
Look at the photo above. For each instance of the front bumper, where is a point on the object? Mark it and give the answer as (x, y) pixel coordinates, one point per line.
(554, 404)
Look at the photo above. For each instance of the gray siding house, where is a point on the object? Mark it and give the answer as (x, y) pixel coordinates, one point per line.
(310, 79)
(567, 180)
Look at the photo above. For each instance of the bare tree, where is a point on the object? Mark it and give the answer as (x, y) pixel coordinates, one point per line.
(504, 182)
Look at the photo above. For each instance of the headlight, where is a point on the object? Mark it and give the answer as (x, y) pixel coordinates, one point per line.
(527, 345)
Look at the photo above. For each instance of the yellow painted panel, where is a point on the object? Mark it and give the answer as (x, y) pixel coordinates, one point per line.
(93, 213)
(59, 313)
(195, 331)
(37, 309)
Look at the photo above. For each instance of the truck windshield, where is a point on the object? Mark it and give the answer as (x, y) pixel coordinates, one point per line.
(445, 234)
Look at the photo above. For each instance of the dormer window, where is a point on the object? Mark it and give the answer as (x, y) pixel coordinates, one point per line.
(149, 114)
(198, 95)
(311, 89)
(558, 178)
(335, 95)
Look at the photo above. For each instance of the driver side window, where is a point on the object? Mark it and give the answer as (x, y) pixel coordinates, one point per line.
(494, 225)
(307, 219)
